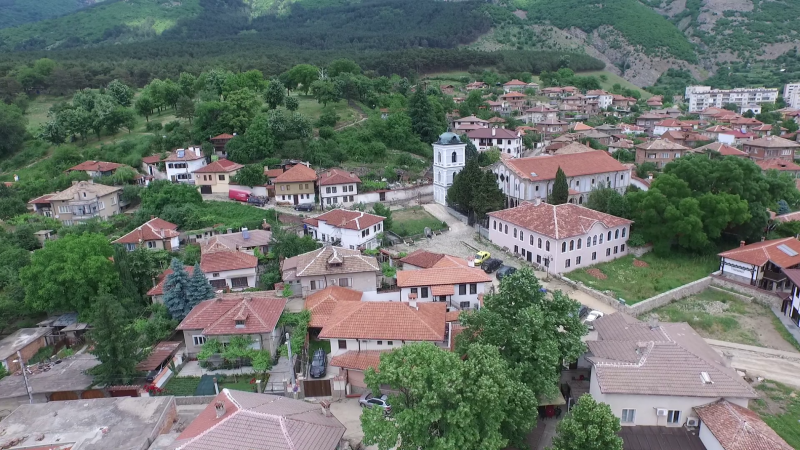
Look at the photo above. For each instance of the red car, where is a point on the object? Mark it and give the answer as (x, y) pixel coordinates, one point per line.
(241, 196)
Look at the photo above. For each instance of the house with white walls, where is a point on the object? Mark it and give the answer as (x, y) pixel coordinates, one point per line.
(526, 179)
(655, 374)
(507, 141)
(560, 238)
(460, 288)
(155, 234)
(330, 266)
(337, 187)
(181, 164)
(345, 228)
(762, 264)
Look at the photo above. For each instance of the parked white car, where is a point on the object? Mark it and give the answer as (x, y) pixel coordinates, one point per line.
(589, 320)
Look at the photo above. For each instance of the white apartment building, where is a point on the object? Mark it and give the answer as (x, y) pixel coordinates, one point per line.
(449, 157)
(702, 97)
(791, 95)
(349, 229)
(604, 99)
(560, 238)
(182, 163)
(507, 141)
(526, 179)
(337, 187)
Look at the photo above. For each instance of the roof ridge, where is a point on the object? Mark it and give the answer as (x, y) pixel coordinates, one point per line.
(214, 427)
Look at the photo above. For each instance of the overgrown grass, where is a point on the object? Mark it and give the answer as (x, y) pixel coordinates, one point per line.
(781, 328)
(181, 386)
(41, 355)
(635, 284)
(313, 109)
(412, 221)
(779, 407)
(612, 79)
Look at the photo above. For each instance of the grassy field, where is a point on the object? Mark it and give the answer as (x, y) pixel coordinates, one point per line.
(716, 314)
(613, 79)
(181, 386)
(635, 284)
(412, 221)
(38, 108)
(779, 406)
(312, 109)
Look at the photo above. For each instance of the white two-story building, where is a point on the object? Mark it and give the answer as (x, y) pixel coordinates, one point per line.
(182, 163)
(344, 228)
(461, 288)
(526, 179)
(337, 187)
(560, 238)
(507, 141)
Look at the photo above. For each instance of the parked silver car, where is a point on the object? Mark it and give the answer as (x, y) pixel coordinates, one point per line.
(367, 400)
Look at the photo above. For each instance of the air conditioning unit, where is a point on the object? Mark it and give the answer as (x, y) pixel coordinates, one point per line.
(692, 422)
(661, 412)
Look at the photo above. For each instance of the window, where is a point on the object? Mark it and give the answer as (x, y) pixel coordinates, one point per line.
(473, 288)
(494, 224)
(521, 236)
(239, 283)
(454, 157)
(313, 285)
(215, 274)
(344, 282)
(327, 190)
(594, 241)
(608, 252)
(628, 416)
(538, 259)
(609, 235)
(414, 291)
(601, 238)
(63, 210)
(439, 156)
(198, 339)
(218, 284)
(623, 232)
(547, 246)
(222, 178)
(616, 248)
(462, 289)
(239, 323)
(389, 342)
(515, 232)
(424, 292)
(506, 229)
(616, 234)
(539, 242)
(588, 242)
(342, 344)
(130, 247)
(579, 244)
(464, 305)
(567, 263)
(578, 261)
(594, 256)
(151, 244)
(333, 189)
(622, 248)
(563, 247)
(114, 200)
(673, 416)
(571, 245)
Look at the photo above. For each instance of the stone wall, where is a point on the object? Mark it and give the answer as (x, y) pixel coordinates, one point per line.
(766, 298)
(194, 400)
(639, 251)
(670, 296)
(610, 301)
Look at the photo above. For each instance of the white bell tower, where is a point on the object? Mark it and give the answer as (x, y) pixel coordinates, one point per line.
(449, 157)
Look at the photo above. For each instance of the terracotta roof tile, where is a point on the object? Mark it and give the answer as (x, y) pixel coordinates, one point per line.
(773, 142)
(789, 217)
(272, 173)
(630, 357)
(235, 241)
(154, 159)
(321, 304)
(573, 147)
(777, 164)
(493, 133)
(441, 276)
(422, 258)
(150, 231)
(261, 422)
(220, 166)
(316, 263)
(95, 166)
(515, 82)
(661, 144)
(557, 221)
(216, 317)
(723, 149)
(738, 428)
(386, 321)
(760, 252)
(220, 261)
(189, 154)
(471, 119)
(158, 289)
(351, 220)
(337, 176)
(42, 200)
(223, 136)
(540, 168)
(298, 172)
(362, 360)
(94, 189)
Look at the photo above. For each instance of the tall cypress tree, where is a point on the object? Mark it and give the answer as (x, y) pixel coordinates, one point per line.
(199, 288)
(560, 194)
(177, 291)
(423, 116)
(113, 346)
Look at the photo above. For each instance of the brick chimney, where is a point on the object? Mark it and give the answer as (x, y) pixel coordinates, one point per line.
(219, 407)
(741, 244)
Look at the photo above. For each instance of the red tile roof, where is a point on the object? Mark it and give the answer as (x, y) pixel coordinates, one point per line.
(723, 149)
(337, 176)
(221, 261)
(788, 217)
(661, 144)
(351, 220)
(773, 142)
(256, 421)
(220, 166)
(216, 317)
(362, 360)
(153, 230)
(759, 253)
(515, 82)
(321, 304)
(539, 168)
(471, 119)
(669, 123)
(513, 95)
(386, 321)
(158, 289)
(223, 136)
(298, 172)
(158, 355)
(738, 428)
(95, 166)
(492, 133)
(189, 154)
(43, 200)
(422, 258)
(441, 276)
(272, 173)
(557, 221)
(151, 159)
(777, 164)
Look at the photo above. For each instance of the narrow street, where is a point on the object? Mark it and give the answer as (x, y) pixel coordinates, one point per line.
(775, 365)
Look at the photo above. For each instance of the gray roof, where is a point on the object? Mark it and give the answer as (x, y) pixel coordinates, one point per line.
(261, 422)
(449, 138)
(631, 357)
(124, 423)
(89, 187)
(20, 339)
(234, 241)
(70, 375)
(319, 262)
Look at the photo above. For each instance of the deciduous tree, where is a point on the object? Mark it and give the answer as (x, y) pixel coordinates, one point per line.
(251, 175)
(121, 92)
(12, 129)
(588, 426)
(111, 333)
(275, 93)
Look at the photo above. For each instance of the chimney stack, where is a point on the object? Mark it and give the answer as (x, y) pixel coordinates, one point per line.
(413, 304)
(727, 359)
(741, 244)
(494, 131)
(219, 407)
(326, 408)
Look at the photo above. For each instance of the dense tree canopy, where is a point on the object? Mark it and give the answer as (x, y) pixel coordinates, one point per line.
(113, 345)
(12, 129)
(590, 425)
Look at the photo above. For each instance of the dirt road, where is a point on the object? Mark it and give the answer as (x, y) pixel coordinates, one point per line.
(776, 365)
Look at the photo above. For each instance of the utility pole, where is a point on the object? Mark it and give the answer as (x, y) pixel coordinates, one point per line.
(25, 376)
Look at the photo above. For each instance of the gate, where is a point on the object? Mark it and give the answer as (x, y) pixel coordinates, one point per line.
(62, 396)
(317, 388)
(205, 189)
(93, 393)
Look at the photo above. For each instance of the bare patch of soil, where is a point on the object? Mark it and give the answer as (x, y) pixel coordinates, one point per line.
(597, 274)
(640, 263)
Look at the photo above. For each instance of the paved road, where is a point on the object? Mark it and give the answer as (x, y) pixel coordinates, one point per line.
(775, 365)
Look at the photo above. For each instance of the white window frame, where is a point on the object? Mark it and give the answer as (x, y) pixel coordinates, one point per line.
(628, 416)
(198, 340)
(64, 210)
(674, 417)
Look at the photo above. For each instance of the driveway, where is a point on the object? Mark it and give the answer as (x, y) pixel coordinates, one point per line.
(775, 365)
(349, 413)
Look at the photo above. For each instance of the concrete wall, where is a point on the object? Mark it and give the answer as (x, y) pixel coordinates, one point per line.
(397, 195)
(708, 439)
(356, 345)
(376, 296)
(360, 281)
(27, 352)
(670, 296)
(194, 400)
(769, 299)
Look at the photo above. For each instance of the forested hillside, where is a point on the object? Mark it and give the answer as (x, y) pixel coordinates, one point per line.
(18, 12)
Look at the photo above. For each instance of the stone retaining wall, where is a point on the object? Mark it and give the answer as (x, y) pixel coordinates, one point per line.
(639, 251)
(194, 400)
(769, 299)
(742, 297)
(610, 301)
(670, 296)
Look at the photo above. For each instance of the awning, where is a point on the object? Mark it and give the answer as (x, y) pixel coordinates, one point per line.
(159, 354)
(444, 289)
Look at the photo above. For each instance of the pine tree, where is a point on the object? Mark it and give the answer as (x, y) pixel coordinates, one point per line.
(471, 150)
(487, 196)
(176, 291)
(199, 288)
(560, 194)
(783, 207)
(113, 346)
(423, 116)
(461, 192)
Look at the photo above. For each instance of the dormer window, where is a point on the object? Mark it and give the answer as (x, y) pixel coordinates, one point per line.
(239, 323)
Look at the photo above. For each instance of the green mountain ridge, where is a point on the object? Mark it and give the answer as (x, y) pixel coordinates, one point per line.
(18, 12)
